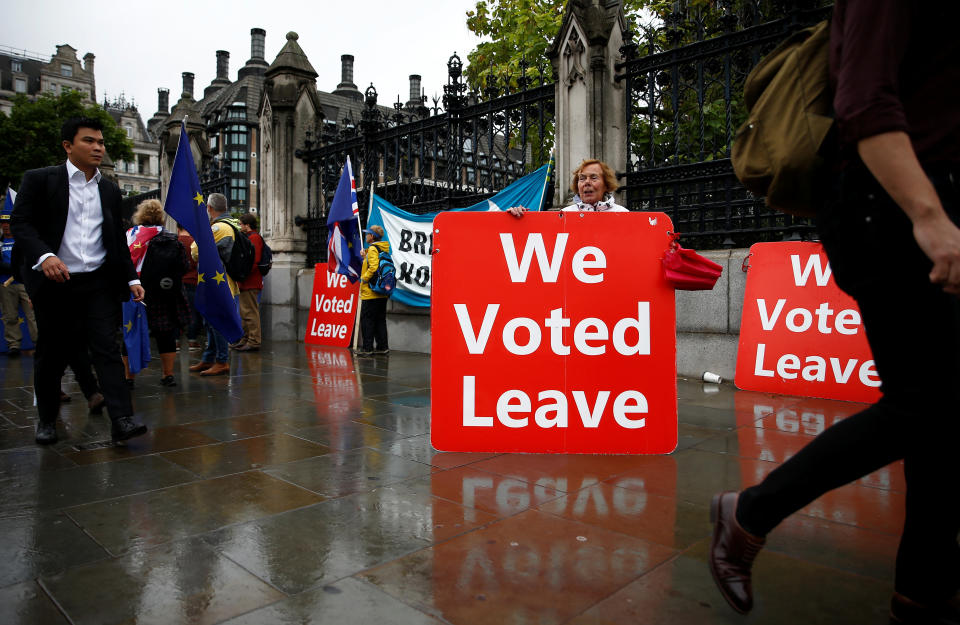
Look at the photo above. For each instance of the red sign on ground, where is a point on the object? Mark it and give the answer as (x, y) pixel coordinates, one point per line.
(333, 308)
(799, 333)
(552, 333)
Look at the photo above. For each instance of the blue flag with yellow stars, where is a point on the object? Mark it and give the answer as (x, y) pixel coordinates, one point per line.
(136, 335)
(186, 204)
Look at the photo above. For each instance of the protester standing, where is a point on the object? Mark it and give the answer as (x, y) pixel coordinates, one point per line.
(250, 288)
(215, 358)
(373, 310)
(13, 296)
(190, 290)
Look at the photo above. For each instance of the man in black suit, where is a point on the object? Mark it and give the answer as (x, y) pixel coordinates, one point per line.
(72, 255)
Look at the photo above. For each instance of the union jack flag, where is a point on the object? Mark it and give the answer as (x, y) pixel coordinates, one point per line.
(344, 245)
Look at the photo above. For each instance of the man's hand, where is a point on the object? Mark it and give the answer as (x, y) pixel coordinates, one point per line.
(54, 269)
(939, 239)
(517, 211)
(137, 291)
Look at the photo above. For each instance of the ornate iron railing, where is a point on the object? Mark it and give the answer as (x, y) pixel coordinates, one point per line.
(684, 104)
(425, 160)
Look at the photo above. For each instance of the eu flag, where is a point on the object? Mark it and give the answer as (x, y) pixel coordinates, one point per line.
(344, 245)
(185, 203)
(136, 335)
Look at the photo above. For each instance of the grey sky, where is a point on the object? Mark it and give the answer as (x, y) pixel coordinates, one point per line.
(141, 46)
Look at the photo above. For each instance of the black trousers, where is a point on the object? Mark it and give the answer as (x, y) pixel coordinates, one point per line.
(373, 323)
(913, 328)
(74, 317)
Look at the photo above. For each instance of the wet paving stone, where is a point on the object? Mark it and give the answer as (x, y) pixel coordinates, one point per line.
(345, 435)
(346, 601)
(37, 545)
(154, 441)
(181, 582)
(148, 519)
(30, 460)
(245, 454)
(345, 473)
(304, 488)
(28, 604)
(244, 426)
(514, 571)
(51, 490)
(322, 543)
(786, 590)
(419, 449)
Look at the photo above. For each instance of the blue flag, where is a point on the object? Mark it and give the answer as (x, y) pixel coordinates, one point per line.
(410, 235)
(344, 244)
(136, 335)
(185, 203)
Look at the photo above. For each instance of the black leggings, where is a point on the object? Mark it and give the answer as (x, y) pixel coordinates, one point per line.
(913, 328)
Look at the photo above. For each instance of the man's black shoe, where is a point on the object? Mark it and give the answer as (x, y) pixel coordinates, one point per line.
(46, 433)
(13, 352)
(126, 428)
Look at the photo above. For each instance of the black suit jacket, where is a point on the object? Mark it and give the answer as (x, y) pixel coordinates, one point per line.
(40, 217)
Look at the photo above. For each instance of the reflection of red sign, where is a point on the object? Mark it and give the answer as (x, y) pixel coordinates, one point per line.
(336, 386)
(799, 333)
(333, 308)
(561, 339)
(774, 428)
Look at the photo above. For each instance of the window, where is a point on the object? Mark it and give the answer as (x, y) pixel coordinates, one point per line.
(238, 183)
(238, 195)
(53, 87)
(16, 66)
(128, 188)
(20, 85)
(66, 70)
(237, 113)
(236, 135)
(144, 188)
(238, 161)
(213, 143)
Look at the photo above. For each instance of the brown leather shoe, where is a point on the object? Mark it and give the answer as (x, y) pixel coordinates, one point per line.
(905, 610)
(220, 368)
(96, 403)
(201, 366)
(732, 552)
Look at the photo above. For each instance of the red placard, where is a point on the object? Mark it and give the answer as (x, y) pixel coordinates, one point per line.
(799, 333)
(552, 333)
(333, 308)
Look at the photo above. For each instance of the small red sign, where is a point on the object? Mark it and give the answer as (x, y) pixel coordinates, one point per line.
(553, 333)
(799, 333)
(333, 308)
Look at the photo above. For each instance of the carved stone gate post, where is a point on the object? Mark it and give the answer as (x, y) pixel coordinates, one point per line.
(590, 105)
(289, 108)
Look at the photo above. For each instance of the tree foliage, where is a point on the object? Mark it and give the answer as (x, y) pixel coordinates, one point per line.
(30, 135)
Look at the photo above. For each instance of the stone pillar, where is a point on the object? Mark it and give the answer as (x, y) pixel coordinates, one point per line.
(590, 106)
(290, 107)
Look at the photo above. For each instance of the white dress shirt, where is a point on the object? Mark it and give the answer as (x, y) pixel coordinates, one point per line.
(81, 248)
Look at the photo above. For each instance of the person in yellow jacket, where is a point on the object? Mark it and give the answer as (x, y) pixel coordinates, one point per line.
(215, 359)
(373, 311)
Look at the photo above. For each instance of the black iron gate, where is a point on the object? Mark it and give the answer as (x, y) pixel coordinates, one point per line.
(684, 104)
(427, 160)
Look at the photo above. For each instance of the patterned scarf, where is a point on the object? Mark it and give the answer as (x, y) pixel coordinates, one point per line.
(603, 205)
(138, 238)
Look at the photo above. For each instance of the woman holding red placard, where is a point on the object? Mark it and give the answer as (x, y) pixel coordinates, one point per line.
(593, 185)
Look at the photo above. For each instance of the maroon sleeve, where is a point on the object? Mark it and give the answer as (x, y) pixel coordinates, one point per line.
(873, 37)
